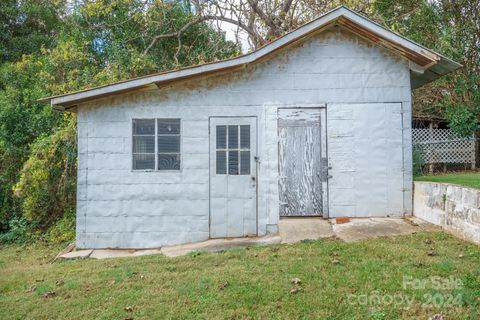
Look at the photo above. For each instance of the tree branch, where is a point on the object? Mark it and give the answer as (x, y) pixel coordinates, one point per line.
(269, 21)
(201, 19)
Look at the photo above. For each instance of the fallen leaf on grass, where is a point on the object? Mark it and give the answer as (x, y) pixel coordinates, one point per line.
(335, 261)
(32, 289)
(129, 309)
(295, 290)
(223, 285)
(49, 294)
(296, 281)
(431, 253)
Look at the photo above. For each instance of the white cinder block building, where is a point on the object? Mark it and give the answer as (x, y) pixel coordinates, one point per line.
(316, 123)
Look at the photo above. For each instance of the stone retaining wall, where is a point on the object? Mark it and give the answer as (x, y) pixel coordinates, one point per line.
(454, 208)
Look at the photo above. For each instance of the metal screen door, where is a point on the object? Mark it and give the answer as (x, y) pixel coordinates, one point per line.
(233, 174)
(302, 162)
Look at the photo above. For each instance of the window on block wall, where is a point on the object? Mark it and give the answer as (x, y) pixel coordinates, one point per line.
(156, 144)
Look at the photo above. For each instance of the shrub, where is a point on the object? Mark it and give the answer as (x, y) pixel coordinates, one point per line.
(63, 231)
(19, 231)
(47, 185)
(417, 159)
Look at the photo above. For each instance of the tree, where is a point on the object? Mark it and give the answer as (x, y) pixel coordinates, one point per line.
(86, 44)
(449, 26)
(26, 26)
(262, 21)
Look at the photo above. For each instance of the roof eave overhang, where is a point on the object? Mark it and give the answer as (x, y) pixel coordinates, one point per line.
(423, 59)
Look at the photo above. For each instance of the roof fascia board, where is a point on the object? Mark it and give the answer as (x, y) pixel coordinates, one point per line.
(390, 35)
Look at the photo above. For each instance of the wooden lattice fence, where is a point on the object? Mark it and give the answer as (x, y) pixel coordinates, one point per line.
(443, 146)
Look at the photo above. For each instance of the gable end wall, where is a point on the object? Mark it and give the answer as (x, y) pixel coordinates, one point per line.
(118, 207)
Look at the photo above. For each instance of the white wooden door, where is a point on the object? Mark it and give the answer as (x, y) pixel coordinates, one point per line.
(302, 162)
(233, 177)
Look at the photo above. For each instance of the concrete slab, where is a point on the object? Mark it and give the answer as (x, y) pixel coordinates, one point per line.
(120, 253)
(293, 230)
(422, 224)
(215, 245)
(78, 254)
(368, 228)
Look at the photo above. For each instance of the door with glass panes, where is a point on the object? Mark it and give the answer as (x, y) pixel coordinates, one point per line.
(233, 177)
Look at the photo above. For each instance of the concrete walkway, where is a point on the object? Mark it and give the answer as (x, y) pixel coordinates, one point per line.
(291, 230)
(212, 245)
(215, 245)
(369, 228)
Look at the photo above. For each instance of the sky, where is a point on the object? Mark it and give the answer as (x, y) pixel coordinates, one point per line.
(230, 31)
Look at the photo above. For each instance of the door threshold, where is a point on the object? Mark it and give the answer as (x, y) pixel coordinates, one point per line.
(302, 217)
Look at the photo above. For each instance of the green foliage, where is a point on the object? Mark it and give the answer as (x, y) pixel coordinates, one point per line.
(28, 25)
(462, 119)
(47, 49)
(417, 159)
(47, 183)
(63, 231)
(19, 231)
(22, 120)
(450, 27)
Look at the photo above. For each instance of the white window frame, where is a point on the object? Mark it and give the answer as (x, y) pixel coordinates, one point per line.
(239, 149)
(156, 146)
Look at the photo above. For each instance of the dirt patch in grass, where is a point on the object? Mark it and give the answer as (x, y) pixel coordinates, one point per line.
(310, 280)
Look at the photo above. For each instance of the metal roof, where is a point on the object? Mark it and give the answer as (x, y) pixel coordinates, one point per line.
(426, 65)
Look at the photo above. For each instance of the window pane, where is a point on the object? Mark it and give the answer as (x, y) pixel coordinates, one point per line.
(233, 162)
(168, 126)
(245, 162)
(221, 162)
(168, 162)
(144, 144)
(144, 161)
(144, 126)
(168, 144)
(221, 137)
(245, 137)
(232, 137)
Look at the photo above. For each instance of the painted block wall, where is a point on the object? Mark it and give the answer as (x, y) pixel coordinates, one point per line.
(121, 208)
(454, 208)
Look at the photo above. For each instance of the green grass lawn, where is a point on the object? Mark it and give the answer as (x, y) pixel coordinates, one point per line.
(467, 179)
(336, 277)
